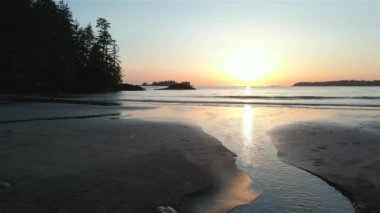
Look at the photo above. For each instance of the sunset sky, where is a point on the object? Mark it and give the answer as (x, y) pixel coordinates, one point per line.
(241, 43)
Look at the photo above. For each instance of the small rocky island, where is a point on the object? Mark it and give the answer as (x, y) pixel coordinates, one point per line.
(181, 86)
(171, 85)
(340, 83)
(160, 83)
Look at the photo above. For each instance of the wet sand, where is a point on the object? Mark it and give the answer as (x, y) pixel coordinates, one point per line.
(108, 164)
(347, 155)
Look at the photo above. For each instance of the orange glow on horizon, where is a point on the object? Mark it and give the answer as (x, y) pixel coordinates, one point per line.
(250, 68)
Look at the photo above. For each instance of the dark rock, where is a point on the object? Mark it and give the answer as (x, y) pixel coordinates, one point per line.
(4, 185)
(130, 87)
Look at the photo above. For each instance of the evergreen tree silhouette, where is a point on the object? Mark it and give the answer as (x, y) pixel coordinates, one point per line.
(47, 51)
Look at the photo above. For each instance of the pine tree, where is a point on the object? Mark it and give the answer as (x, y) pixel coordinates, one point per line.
(46, 50)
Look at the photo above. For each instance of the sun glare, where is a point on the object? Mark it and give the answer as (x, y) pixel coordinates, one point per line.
(248, 67)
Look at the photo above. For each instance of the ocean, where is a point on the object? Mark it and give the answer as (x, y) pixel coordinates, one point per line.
(309, 97)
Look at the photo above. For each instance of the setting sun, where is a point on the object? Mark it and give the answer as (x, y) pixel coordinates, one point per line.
(248, 66)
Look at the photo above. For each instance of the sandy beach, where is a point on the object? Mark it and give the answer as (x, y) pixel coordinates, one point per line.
(102, 163)
(63, 157)
(346, 154)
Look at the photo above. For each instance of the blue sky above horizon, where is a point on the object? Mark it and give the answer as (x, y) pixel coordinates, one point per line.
(206, 42)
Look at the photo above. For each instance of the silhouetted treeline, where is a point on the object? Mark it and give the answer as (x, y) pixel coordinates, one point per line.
(181, 86)
(340, 83)
(165, 83)
(47, 51)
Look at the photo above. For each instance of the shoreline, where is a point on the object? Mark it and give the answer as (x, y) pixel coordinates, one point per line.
(341, 155)
(101, 164)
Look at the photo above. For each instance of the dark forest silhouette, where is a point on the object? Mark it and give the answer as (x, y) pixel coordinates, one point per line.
(47, 51)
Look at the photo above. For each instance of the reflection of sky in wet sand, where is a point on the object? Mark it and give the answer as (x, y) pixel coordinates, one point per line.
(236, 191)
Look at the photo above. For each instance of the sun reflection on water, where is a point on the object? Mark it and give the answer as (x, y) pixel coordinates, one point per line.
(248, 90)
(247, 125)
(247, 133)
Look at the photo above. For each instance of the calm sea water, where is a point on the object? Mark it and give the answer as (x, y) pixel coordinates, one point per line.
(240, 118)
(313, 97)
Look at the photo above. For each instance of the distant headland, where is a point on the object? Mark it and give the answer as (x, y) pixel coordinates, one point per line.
(340, 83)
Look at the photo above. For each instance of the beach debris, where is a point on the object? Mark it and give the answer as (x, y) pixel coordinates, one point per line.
(4, 185)
(165, 209)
